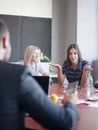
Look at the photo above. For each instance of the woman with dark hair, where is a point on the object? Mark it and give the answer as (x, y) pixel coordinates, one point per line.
(74, 67)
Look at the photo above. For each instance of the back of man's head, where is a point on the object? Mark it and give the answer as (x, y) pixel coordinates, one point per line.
(5, 48)
(3, 29)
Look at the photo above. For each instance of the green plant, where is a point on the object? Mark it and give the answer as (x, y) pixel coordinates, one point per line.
(44, 57)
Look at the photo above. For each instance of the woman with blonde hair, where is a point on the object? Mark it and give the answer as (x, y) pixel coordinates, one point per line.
(32, 59)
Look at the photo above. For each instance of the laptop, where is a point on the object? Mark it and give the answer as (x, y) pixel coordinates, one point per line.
(44, 82)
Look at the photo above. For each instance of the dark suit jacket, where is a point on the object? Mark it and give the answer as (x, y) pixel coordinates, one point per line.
(20, 93)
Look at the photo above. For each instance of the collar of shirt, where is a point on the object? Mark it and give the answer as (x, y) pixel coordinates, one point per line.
(79, 67)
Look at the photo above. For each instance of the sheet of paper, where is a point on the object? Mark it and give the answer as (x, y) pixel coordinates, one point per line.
(94, 104)
(60, 97)
(81, 101)
(89, 103)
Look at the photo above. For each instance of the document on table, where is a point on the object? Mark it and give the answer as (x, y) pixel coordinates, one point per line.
(94, 104)
(89, 103)
(81, 101)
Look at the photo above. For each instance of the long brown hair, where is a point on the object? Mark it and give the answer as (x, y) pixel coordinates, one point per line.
(76, 47)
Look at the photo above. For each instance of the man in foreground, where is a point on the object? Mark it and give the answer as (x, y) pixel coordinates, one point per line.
(20, 93)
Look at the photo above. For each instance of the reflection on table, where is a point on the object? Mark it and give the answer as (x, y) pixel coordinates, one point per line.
(88, 116)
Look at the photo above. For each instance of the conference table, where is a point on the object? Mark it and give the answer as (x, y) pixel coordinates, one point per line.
(88, 116)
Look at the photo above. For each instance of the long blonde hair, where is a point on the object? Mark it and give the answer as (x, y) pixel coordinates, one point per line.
(29, 53)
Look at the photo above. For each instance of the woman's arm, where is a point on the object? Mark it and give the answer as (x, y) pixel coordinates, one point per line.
(61, 77)
(83, 79)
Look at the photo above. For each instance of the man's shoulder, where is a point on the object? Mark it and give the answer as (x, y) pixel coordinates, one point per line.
(12, 69)
(9, 65)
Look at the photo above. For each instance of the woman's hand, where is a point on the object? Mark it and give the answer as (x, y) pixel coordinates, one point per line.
(55, 65)
(87, 68)
(61, 77)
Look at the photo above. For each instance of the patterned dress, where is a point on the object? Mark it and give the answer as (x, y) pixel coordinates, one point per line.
(74, 75)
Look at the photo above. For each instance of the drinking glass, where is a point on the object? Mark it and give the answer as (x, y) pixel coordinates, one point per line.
(65, 85)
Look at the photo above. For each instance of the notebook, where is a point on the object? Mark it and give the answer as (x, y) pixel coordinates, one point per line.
(44, 82)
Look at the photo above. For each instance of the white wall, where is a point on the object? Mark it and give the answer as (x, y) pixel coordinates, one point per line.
(75, 21)
(64, 28)
(58, 30)
(87, 28)
(34, 8)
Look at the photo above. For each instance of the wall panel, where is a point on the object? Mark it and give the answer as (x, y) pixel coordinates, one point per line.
(28, 31)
